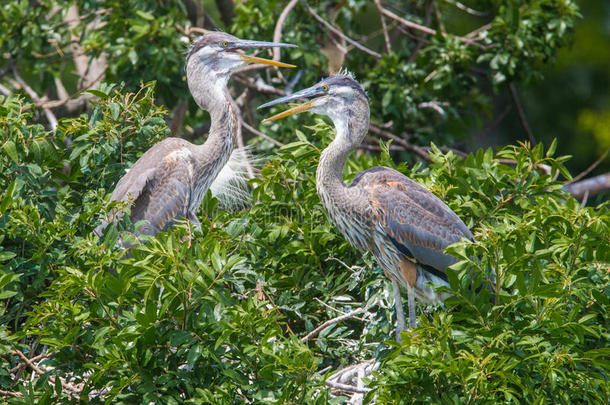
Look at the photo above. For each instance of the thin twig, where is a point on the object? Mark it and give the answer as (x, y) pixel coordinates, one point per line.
(439, 18)
(345, 387)
(342, 35)
(331, 322)
(262, 135)
(467, 9)
(15, 394)
(386, 37)
(589, 169)
(424, 151)
(35, 358)
(592, 186)
(259, 85)
(522, 118)
(425, 29)
(66, 385)
(279, 25)
(34, 96)
(59, 103)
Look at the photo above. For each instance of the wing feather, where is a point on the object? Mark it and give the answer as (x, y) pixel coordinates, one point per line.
(417, 222)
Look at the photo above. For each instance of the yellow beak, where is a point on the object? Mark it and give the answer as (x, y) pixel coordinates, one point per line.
(294, 110)
(254, 59)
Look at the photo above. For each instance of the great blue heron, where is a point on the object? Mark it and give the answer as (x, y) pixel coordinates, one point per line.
(404, 225)
(170, 179)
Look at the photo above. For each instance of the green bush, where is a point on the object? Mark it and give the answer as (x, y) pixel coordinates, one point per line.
(219, 316)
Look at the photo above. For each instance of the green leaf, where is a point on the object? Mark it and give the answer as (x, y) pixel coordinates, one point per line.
(8, 197)
(11, 150)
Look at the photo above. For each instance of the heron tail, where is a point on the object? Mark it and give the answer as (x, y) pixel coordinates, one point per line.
(230, 186)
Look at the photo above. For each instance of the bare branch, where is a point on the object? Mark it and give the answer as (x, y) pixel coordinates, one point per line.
(15, 394)
(590, 168)
(262, 135)
(386, 37)
(589, 187)
(339, 33)
(331, 322)
(467, 9)
(346, 387)
(435, 105)
(425, 29)
(259, 85)
(34, 96)
(522, 118)
(279, 25)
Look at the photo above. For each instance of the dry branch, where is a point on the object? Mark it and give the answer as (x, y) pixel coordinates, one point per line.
(589, 187)
(424, 29)
(279, 25)
(522, 118)
(339, 33)
(331, 322)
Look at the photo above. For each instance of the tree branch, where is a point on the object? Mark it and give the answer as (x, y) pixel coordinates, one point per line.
(331, 322)
(590, 168)
(522, 118)
(34, 96)
(386, 37)
(589, 187)
(424, 29)
(339, 33)
(279, 26)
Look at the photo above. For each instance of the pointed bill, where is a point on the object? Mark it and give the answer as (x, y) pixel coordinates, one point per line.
(254, 59)
(294, 110)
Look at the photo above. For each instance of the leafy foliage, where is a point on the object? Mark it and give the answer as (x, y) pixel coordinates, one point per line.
(219, 316)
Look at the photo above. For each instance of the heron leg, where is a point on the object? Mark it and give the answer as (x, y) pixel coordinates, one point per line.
(411, 302)
(400, 315)
(195, 222)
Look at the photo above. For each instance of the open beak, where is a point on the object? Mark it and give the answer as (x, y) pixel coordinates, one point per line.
(246, 44)
(309, 93)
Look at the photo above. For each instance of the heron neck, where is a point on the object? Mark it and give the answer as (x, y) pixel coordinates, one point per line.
(211, 94)
(329, 176)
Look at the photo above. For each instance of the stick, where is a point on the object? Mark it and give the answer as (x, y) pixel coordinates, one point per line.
(590, 168)
(386, 37)
(345, 387)
(592, 186)
(522, 118)
(342, 35)
(262, 135)
(424, 29)
(279, 25)
(49, 114)
(331, 322)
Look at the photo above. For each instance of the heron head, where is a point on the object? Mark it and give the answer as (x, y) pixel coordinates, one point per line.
(336, 96)
(223, 53)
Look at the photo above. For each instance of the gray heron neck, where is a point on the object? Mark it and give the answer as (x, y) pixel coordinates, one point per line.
(329, 176)
(211, 93)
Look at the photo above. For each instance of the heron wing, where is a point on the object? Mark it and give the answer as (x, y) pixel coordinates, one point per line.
(158, 184)
(167, 195)
(417, 222)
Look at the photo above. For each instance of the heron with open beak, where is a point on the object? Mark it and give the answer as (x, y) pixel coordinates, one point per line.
(170, 179)
(403, 225)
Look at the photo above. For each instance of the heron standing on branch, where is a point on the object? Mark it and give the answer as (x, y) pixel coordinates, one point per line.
(169, 180)
(404, 225)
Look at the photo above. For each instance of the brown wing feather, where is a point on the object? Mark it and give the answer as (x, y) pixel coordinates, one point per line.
(159, 185)
(415, 220)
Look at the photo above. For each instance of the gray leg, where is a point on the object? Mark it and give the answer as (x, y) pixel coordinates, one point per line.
(411, 302)
(195, 222)
(400, 315)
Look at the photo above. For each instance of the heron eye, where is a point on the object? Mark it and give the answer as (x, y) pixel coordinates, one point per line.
(225, 44)
(324, 87)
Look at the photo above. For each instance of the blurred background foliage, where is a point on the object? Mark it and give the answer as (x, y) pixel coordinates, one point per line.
(223, 317)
